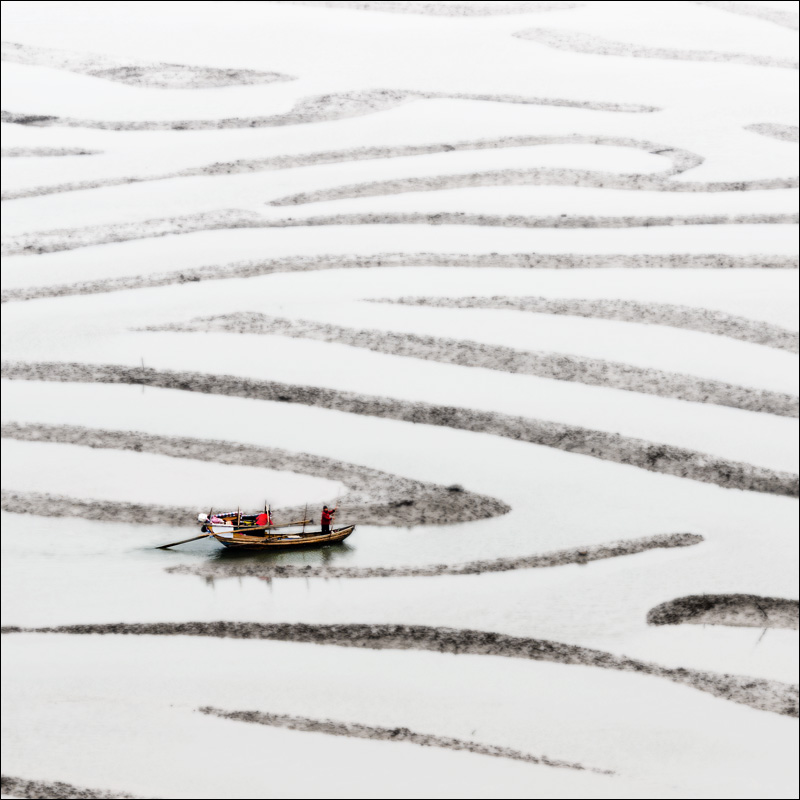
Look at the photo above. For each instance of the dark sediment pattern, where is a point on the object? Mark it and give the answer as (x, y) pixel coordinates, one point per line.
(441, 9)
(506, 221)
(53, 241)
(317, 108)
(254, 269)
(595, 45)
(528, 177)
(680, 160)
(652, 456)
(36, 790)
(765, 695)
(45, 152)
(784, 133)
(703, 320)
(741, 610)
(520, 221)
(70, 239)
(559, 558)
(137, 73)
(786, 19)
(352, 729)
(56, 506)
(373, 497)
(555, 366)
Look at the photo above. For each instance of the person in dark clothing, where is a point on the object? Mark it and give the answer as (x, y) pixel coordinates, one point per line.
(327, 518)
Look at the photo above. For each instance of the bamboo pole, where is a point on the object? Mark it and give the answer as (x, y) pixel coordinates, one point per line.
(183, 541)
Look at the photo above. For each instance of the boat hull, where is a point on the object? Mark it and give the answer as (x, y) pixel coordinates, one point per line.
(295, 541)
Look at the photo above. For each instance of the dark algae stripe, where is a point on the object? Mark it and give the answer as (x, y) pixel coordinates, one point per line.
(543, 364)
(42, 790)
(765, 695)
(254, 269)
(740, 610)
(331, 728)
(373, 497)
(651, 456)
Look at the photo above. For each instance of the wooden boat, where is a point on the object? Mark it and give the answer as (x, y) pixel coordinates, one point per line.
(262, 539)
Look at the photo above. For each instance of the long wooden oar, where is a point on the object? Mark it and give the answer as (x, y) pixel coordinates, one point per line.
(182, 541)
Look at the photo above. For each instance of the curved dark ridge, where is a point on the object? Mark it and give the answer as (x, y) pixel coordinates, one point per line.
(317, 108)
(441, 9)
(537, 176)
(36, 790)
(784, 133)
(542, 364)
(703, 320)
(596, 45)
(652, 456)
(520, 221)
(45, 152)
(786, 19)
(681, 160)
(765, 695)
(373, 497)
(53, 241)
(57, 506)
(137, 73)
(254, 269)
(745, 610)
(558, 558)
(71, 239)
(354, 729)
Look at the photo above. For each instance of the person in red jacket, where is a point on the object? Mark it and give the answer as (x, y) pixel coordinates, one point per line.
(264, 519)
(327, 518)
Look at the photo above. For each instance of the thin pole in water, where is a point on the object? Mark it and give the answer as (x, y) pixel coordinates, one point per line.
(330, 532)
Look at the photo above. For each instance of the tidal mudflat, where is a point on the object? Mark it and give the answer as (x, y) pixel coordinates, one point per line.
(537, 340)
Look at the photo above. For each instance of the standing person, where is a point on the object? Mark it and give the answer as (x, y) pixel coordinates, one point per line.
(327, 518)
